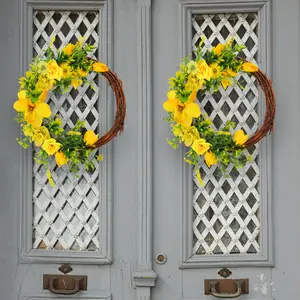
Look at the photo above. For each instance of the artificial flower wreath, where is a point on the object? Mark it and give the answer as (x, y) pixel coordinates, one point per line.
(206, 74)
(58, 71)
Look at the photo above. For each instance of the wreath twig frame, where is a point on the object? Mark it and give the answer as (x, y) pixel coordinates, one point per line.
(268, 125)
(118, 125)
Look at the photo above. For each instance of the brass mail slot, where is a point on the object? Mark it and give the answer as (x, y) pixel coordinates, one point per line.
(64, 284)
(226, 288)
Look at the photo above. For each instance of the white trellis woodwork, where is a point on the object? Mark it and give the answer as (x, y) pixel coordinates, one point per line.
(66, 217)
(226, 210)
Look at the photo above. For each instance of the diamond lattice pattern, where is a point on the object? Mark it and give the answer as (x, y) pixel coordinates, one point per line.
(226, 210)
(66, 217)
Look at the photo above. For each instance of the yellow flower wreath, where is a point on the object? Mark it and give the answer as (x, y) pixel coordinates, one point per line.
(206, 74)
(56, 71)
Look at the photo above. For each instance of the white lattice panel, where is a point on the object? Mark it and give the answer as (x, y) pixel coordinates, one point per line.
(66, 217)
(226, 210)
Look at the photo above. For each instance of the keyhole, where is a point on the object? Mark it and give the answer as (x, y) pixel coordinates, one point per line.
(161, 258)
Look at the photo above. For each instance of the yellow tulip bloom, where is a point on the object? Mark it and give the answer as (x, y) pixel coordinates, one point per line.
(183, 112)
(34, 112)
(90, 138)
(218, 49)
(61, 158)
(210, 158)
(100, 67)
(249, 67)
(68, 50)
(240, 137)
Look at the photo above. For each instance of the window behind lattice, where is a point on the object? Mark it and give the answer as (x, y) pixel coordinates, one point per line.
(65, 217)
(226, 209)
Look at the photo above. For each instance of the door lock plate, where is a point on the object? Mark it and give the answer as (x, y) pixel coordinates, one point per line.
(161, 258)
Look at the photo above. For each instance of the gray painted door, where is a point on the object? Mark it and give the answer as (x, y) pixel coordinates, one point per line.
(145, 203)
(230, 222)
(76, 222)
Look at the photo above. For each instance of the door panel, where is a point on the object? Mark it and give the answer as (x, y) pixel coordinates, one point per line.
(230, 221)
(75, 222)
(74, 215)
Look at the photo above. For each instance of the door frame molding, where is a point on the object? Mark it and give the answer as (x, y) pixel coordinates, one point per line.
(144, 277)
(266, 258)
(104, 255)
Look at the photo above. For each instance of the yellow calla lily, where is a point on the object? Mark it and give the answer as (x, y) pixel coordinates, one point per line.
(183, 112)
(34, 112)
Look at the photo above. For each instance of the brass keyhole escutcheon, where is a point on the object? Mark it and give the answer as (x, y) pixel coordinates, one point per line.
(161, 258)
(65, 268)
